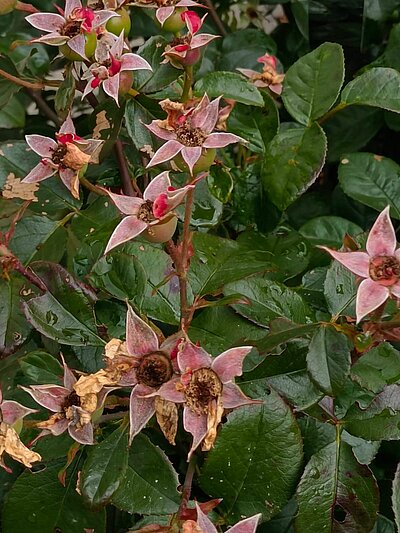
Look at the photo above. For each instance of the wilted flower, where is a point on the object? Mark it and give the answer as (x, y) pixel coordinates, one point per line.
(206, 388)
(269, 77)
(108, 72)
(68, 156)
(204, 525)
(11, 415)
(159, 199)
(380, 265)
(165, 8)
(189, 131)
(70, 26)
(185, 50)
(72, 412)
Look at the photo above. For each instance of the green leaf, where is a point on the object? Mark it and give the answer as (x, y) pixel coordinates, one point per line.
(220, 183)
(379, 9)
(150, 483)
(147, 81)
(105, 468)
(300, 10)
(351, 129)
(14, 328)
(380, 420)
(244, 469)
(219, 261)
(340, 290)
(384, 525)
(396, 496)
(65, 312)
(378, 367)
(31, 233)
(268, 300)
(377, 88)
(136, 116)
(257, 126)
(65, 94)
(336, 493)
(372, 180)
(328, 230)
(293, 161)
(230, 85)
(313, 83)
(242, 49)
(42, 502)
(13, 115)
(283, 330)
(40, 368)
(328, 360)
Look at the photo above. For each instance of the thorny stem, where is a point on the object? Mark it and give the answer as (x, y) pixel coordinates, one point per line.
(215, 17)
(91, 187)
(187, 84)
(43, 107)
(183, 263)
(187, 485)
(22, 83)
(127, 185)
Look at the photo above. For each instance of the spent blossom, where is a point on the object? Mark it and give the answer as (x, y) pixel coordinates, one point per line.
(68, 156)
(206, 388)
(379, 266)
(269, 77)
(69, 26)
(166, 8)
(11, 415)
(204, 525)
(108, 72)
(141, 214)
(189, 131)
(185, 50)
(72, 412)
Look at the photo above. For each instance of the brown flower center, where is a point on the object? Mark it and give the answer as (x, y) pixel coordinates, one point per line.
(190, 136)
(58, 154)
(185, 39)
(154, 369)
(71, 28)
(145, 212)
(384, 269)
(204, 387)
(73, 400)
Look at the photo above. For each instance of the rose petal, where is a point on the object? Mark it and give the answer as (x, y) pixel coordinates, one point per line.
(163, 13)
(12, 411)
(69, 379)
(50, 22)
(229, 363)
(249, 525)
(197, 426)
(111, 87)
(159, 185)
(198, 41)
(233, 397)
(44, 146)
(126, 230)
(67, 126)
(192, 357)
(395, 290)
(174, 198)
(128, 205)
(206, 117)
(82, 434)
(168, 151)
(134, 62)
(141, 409)
(356, 262)
(382, 238)
(42, 171)
(57, 428)
(191, 154)
(71, 180)
(140, 338)
(220, 140)
(171, 391)
(77, 44)
(204, 523)
(162, 133)
(51, 397)
(248, 72)
(193, 21)
(52, 39)
(70, 5)
(370, 296)
(118, 46)
(101, 17)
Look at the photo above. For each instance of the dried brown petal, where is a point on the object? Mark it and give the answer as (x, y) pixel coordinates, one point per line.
(11, 444)
(167, 418)
(190, 526)
(75, 158)
(214, 416)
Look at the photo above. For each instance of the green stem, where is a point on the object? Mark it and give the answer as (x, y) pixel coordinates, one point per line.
(183, 264)
(187, 485)
(332, 112)
(187, 84)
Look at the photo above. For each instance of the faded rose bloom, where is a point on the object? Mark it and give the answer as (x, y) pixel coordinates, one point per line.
(11, 415)
(72, 412)
(108, 73)
(143, 363)
(269, 77)
(206, 388)
(68, 156)
(189, 131)
(379, 265)
(70, 26)
(166, 8)
(159, 199)
(185, 50)
(204, 524)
